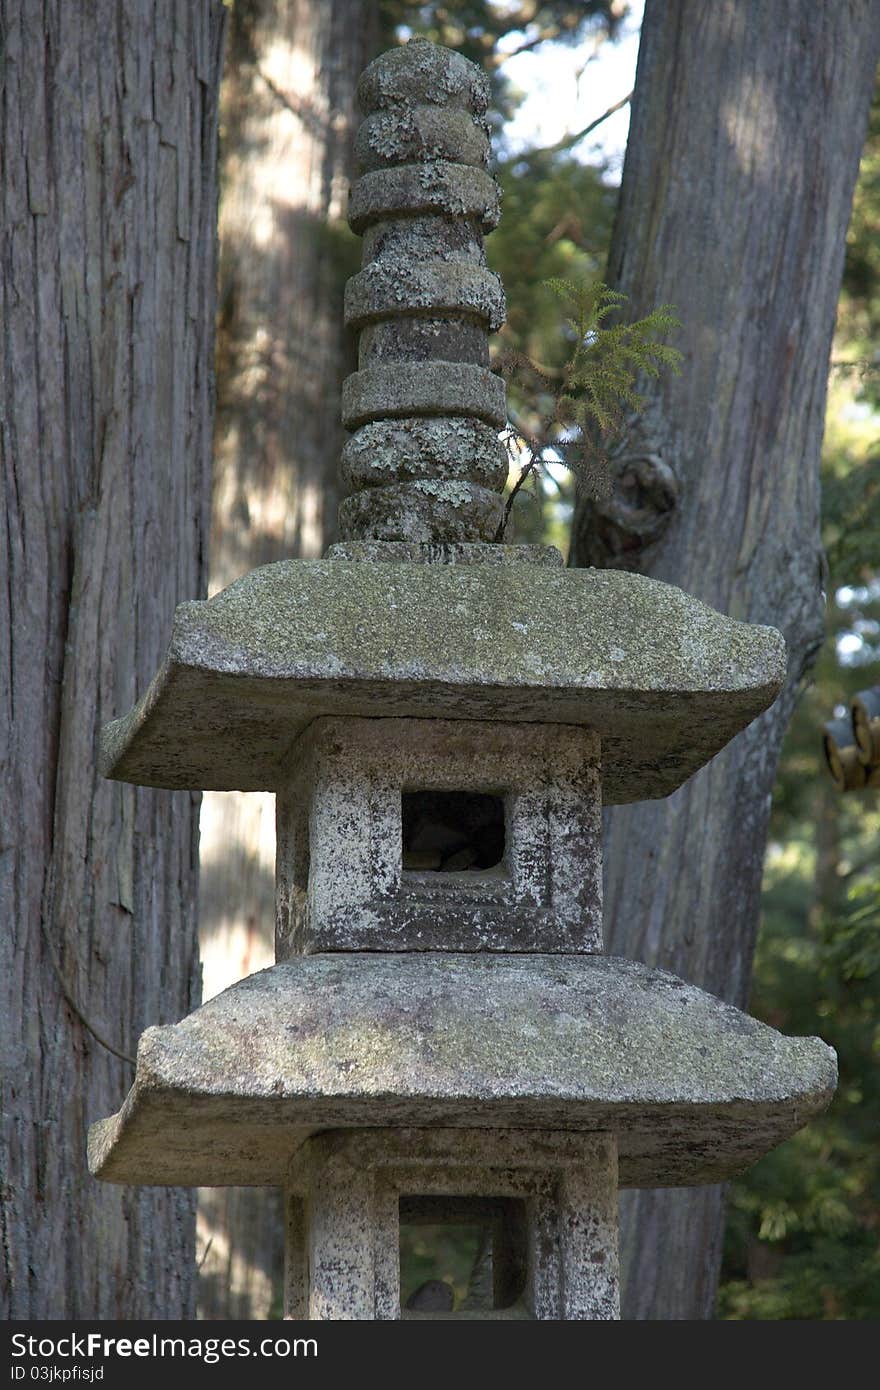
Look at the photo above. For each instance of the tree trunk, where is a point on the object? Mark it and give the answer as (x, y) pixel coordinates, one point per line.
(747, 125)
(288, 121)
(108, 128)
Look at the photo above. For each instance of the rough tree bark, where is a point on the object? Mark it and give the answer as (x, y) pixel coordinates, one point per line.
(288, 123)
(108, 131)
(747, 125)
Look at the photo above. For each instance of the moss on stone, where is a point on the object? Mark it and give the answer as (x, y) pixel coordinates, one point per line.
(664, 679)
(694, 1089)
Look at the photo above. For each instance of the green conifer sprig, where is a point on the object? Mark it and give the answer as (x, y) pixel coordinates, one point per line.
(601, 375)
(584, 407)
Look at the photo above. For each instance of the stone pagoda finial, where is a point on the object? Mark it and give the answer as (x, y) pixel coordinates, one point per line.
(424, 463)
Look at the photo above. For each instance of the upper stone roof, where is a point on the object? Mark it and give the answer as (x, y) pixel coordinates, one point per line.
(665, 680)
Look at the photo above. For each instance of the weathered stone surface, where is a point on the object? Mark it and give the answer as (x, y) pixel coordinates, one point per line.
(423, 388)
(382, 289)
(430, 237)
(693, 1089)
(348, 879)
(388, 451)
(417, 134)
(456, 190)
(423, 72)
(432, 511)
(663, 679)
(425, 300)
(466, 553)
(454, 338)
(550, 1196)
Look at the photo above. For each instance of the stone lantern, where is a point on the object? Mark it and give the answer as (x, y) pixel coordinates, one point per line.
(442, 1039)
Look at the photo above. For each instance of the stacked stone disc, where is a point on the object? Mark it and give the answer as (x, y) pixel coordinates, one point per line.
(424, 463)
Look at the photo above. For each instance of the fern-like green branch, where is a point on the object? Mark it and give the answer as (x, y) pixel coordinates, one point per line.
(589, 400)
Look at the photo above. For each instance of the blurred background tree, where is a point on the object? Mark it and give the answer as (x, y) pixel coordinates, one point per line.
(803, 1231)
(287, 123)
(748, 122)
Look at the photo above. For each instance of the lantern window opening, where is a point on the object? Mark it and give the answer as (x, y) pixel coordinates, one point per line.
(464, 1256)
(454, 832)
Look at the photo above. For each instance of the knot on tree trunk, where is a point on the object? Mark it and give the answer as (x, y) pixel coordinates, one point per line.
(616, 529)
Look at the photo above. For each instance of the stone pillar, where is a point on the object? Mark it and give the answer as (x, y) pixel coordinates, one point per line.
(424, 463)
(340, 1233)
(587, 1202)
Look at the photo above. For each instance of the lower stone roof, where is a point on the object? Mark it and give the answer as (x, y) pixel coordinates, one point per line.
(694, 1089)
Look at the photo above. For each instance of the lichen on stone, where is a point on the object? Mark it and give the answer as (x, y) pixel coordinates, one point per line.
(422, 209)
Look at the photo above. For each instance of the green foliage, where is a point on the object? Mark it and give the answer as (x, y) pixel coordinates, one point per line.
(857, 349)
(802, 1228)
(599, 380)
(556, 225)
(585, 404)
(851, 505)
(437, 1252)
(476, 27)
(853, 946)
